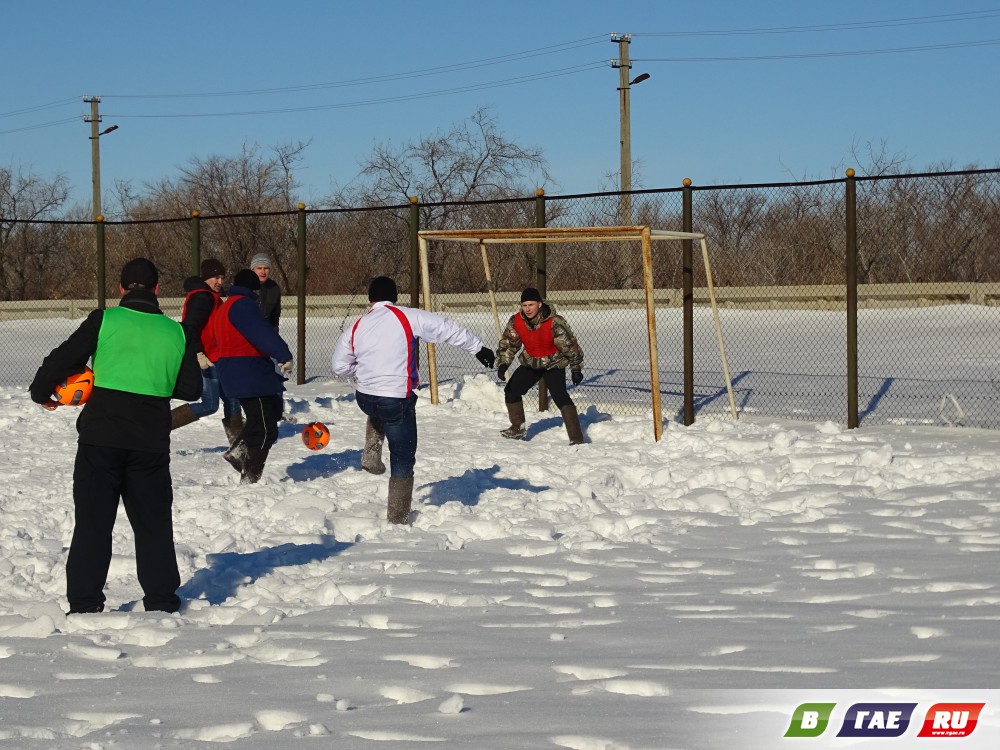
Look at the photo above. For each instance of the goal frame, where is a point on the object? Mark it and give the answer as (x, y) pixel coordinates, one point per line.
(641, 233)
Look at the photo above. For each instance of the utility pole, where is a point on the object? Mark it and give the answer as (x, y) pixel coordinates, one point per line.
(95, 153)
(625, 142)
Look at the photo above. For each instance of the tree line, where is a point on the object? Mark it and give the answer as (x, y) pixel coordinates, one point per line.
(933, 227)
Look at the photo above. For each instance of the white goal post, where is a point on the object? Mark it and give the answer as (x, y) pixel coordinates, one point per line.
(643, 234)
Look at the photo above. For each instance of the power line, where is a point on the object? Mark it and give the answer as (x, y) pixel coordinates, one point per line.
(852, 26)
(383, 100)
(439, 70)
(41, 125)
(853, 53)
(38, 108)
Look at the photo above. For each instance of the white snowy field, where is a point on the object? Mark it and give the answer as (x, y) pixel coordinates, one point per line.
(936, 365)
(622, 594)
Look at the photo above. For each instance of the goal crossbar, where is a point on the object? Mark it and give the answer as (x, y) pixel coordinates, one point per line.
(644, 234)
(566, 234)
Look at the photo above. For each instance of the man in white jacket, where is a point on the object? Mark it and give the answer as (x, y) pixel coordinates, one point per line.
(379, 352)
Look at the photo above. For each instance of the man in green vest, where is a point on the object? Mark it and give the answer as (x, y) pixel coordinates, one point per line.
(141, 359)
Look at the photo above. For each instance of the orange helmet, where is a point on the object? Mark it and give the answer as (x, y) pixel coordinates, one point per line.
(315, 435)
(75, 390)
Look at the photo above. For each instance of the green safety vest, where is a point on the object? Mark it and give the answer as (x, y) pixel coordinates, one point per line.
(138, 352)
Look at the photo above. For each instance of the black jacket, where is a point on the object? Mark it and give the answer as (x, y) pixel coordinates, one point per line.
(117, 419)
(198, 308)
(269, 299)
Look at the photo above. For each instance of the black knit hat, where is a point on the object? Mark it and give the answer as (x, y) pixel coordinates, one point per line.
(382, 289)
(139, 273)
(531, 295)
(210, 268)
(247, 279)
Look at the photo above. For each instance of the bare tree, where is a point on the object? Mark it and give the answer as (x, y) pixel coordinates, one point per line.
(28, 252)
(247, 203)
(470, 161)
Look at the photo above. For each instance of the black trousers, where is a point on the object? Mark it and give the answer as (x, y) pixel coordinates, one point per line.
(102, 476)
(260, 427)
(524, 379)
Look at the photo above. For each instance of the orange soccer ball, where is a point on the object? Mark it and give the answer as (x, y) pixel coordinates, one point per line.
(75, 390)
(315, 435)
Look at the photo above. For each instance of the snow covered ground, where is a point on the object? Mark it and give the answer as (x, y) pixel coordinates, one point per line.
(622, 594)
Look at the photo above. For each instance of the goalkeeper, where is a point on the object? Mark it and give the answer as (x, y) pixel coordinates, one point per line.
(549, 348)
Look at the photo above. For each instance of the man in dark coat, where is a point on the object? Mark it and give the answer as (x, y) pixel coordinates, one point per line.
(269, 294)
(246, 345)
(141, 359)
(201, 302)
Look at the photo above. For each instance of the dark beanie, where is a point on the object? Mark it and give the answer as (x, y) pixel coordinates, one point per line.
(247, 279)
(210, 268)
(382, 289)
(139, 273)
(531, 295)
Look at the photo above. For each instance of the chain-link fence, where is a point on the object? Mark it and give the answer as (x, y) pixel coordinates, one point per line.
(859, 300)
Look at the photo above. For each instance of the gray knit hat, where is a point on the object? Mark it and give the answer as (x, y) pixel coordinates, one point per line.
(260, 260)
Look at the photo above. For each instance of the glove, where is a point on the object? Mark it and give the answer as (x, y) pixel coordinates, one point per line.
(501, 373)
(577, 376)
(286, 368)
(487, 357)
(204, 361)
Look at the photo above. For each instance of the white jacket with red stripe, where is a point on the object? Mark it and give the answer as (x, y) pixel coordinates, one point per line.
(379, 350)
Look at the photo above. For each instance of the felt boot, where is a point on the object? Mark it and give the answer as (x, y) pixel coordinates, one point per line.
(371, 458)
(237, 455)
(181, 416)
(400, 497)
(233, 425)
(516, 430)
(253, 466)
(572, 421)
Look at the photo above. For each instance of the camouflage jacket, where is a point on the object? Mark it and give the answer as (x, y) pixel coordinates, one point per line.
(569, 353)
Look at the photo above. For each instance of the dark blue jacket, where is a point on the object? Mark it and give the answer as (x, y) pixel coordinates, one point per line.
(247, 377)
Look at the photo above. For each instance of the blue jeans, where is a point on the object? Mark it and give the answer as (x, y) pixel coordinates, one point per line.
(397, 418)
(211, 394)
(210, 390)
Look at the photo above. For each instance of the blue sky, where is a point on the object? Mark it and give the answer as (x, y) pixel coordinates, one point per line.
(335, 74)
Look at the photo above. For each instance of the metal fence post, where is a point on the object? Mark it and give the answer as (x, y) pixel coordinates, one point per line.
(541, 263)
(851, 227)
(415, 264)
(414, 252)
(541, 281)
(687, 280)
(300, 272)
(195, 242)
(101, 263)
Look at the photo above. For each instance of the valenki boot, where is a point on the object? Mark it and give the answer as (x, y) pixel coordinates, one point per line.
(400, 497)
(233, 425)
(237, 455)
(516, 430)
(572, 421)
(181, 416)
(253, 465)
(371, 458)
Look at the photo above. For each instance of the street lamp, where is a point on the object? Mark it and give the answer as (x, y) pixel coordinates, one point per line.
(625, 121)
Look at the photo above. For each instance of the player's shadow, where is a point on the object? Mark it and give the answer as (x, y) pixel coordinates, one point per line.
(469, 487)
(227, 571)
(323, 464)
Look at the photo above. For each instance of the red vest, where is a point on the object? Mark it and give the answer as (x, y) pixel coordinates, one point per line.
(208, 342)
(229, 342)
(537, 342)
